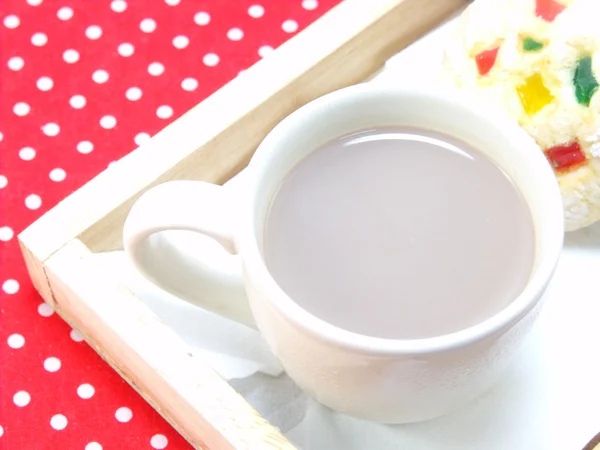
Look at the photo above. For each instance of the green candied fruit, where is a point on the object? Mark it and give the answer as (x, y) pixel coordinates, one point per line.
(584, 81)
(531, 45)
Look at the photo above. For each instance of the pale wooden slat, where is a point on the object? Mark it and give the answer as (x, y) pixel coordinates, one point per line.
(215, 139)
(152, 358)
(35, 268)
(594, 444)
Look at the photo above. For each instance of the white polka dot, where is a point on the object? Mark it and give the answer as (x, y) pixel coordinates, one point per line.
(148, 25)
(58, 422)
(256, 11)
(172, 2)
(85, 391)
(33, 201)
(235, 34)
(93, 446)
(16, 63)
(189, 84)
(140, 138)
(133, 93)
(310, 4)
(10, 286)
(52, 364)
(164, 112)
(265, 50)
(64, 13)
(27, 153)
(34, 2)
(210, 59)
(180, 41)
(1, 136)
(156, 69)
(289, 26)
(202, 18)
(21, 109)
(6, 234)
(77, 101)
(76, 336)
(39, 39)
(45, 310)
(93, 32)
(118, 5)
(125, 49)
(100, 76)
(85, 147)
(123, 414)
(3, 181)
(58, 174)
(16, 341)
(71, 56)
(159, 441)
(44, 83)
(51, 129)
(1, 431)
(11, 21)
(22, 398)
(108, 122)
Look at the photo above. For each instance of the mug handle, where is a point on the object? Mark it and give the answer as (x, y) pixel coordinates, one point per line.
(213, 281)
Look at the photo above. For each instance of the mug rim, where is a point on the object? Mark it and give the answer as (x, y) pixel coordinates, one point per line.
(295, 314)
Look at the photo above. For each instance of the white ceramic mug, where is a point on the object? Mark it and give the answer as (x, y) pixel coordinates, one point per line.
(386, 380)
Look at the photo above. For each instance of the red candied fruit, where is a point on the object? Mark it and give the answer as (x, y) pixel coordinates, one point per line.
(565, 156)
(548, 9)
(486, 60)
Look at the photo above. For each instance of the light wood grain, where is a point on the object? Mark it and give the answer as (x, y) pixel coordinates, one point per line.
(152, 358)
(211, 142)
(37, 273)
(594, 444)
(214, 140)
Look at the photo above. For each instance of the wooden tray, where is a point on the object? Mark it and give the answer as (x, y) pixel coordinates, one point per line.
(344, 47)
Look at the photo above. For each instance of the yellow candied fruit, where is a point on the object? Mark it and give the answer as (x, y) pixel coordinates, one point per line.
(534, 94)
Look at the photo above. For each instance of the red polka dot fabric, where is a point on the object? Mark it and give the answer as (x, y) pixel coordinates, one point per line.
(83, 83)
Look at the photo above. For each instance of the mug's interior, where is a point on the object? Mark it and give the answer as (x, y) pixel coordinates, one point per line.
(361, 107)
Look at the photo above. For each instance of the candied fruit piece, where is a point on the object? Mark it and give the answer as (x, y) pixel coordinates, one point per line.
(565, 156)
(486, 60)
(532, 45)
(584, 81)
(548, 9)
(534, 94)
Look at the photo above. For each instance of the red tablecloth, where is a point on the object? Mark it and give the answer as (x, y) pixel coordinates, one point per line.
(84, 82)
